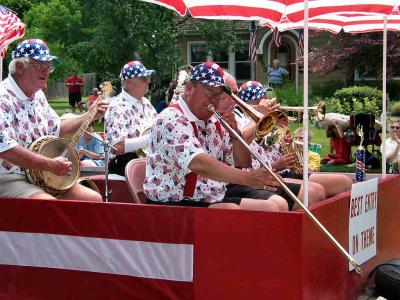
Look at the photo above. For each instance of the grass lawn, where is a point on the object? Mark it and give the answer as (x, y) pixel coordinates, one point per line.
(61, 104)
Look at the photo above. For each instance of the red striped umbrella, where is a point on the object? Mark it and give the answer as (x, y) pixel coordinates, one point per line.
(348, 22)
(271, 10)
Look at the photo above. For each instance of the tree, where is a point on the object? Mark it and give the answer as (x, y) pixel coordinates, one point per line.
(348, 52)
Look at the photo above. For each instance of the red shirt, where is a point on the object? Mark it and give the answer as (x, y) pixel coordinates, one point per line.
(75, 88)
(92, 99)
(342, 149)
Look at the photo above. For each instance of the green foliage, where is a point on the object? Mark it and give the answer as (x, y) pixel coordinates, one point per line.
(326, 89)
(395, 109)
(356, 99)
(287, 95)
(219, 35)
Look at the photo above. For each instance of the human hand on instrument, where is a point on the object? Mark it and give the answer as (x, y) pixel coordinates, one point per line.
(265, 106)
(262, 179)
(287, 161)
(61, 166)
(101, 107)
(119, 148)
(82, 152)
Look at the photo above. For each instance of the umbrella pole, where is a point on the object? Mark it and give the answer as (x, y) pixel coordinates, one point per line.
(305, 110)
(383, 115)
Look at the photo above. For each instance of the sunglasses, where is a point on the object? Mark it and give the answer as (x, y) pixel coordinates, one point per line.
(394, 127)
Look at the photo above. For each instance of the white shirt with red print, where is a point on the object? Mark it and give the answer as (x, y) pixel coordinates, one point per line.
(23, 120)
(173, 145)
(127, 117)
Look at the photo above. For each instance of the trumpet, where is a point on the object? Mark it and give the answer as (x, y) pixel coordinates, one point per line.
(233, 133)
(318, 111)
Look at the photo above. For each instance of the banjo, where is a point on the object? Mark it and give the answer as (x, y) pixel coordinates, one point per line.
(52, 146)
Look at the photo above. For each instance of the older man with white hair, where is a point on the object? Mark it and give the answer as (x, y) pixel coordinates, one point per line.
(25, 117)
(129, 116)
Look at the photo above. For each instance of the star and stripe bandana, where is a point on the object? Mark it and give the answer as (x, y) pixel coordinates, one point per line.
(35, 49)
(251, 90)
(134, 69)
(208, 73)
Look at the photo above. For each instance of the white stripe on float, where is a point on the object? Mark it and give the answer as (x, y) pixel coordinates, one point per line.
(101, 255)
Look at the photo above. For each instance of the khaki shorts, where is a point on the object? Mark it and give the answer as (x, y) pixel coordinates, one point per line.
(16, 186)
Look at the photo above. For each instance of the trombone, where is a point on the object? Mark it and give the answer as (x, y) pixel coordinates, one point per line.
(241, 104)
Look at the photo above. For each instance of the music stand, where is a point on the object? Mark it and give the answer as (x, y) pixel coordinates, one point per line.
(106, 146)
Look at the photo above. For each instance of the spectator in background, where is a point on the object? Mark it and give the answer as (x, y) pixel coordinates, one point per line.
(94, 95)
(314, 160)
(392, 145)
(276, 74)
(75, 84)
(340, 149)
(90, 149)
(168, 97)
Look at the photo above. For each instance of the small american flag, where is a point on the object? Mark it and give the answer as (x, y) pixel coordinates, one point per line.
(301, 42)
(11, 28)
(276, 37)
(252, 42)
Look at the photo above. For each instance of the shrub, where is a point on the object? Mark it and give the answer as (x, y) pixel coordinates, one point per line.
(395, 109)
(356, 99)
(287, 95)
(326, 89)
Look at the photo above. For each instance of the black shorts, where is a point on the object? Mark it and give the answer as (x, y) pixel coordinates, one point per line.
(74, 98)
(290, 174)
(240, 191)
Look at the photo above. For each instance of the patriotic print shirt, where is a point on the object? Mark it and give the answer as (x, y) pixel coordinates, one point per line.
(127, 117)
(23, 120)
(173, 145)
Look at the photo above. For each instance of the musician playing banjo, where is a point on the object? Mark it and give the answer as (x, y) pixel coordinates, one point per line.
(186, 161)
(25, 117)
(129, 116)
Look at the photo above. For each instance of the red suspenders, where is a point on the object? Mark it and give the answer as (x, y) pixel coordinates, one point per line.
(191, 178)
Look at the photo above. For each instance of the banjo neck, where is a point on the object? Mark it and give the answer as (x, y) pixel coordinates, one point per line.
(106, 90)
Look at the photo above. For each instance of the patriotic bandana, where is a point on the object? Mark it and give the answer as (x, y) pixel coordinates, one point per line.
(208, 73)
(134, 69)
(34, 49)
(251, 90)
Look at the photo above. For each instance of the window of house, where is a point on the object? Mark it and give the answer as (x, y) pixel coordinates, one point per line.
(243, 64)
(198, 54)
(222, 59)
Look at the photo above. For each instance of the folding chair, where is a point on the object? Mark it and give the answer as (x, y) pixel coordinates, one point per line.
(135, 172)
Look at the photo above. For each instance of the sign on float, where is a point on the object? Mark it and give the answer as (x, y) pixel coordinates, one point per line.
(362, 221)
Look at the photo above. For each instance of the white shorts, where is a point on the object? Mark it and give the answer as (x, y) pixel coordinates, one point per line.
(16, 186)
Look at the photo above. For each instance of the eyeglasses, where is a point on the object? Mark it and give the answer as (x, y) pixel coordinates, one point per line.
(394, 127)
(41, 66)
(219, 95)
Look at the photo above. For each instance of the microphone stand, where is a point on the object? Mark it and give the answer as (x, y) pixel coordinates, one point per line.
(106, 146)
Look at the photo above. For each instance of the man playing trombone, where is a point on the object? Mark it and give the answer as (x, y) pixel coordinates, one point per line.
(186, 163)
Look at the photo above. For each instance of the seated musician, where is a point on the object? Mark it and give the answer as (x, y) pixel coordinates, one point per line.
(128, 116)
(333, 184)
(248, 128)
(392, 145)
(25, 117)
(188, 146)
(90, 148)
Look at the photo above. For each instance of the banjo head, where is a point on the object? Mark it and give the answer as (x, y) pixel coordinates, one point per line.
(59, 147)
